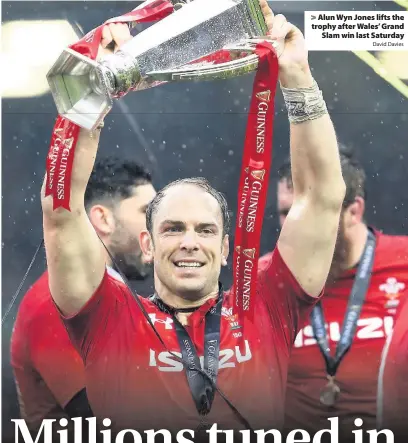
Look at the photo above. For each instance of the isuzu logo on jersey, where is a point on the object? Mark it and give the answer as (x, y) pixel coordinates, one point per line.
(228, 358)
(367, 328)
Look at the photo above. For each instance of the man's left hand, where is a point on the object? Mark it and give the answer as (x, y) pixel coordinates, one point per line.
(291, 49)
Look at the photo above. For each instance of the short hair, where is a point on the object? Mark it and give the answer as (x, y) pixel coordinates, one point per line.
(353, 175)
(114, 179)
(200, 182)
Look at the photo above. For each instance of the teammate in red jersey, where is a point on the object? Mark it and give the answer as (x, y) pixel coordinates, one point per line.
(393, 380)
(48, 370)
(312, 397)
(132, 377)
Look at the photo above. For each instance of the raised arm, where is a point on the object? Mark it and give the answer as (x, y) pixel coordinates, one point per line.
(75, 257)
(309, 234)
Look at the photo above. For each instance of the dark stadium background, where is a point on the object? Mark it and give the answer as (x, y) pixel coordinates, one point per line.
(181, 130)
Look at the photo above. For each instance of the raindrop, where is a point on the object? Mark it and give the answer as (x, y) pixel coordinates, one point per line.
(230, 152)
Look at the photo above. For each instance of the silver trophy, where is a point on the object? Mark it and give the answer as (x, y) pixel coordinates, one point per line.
(84, 89)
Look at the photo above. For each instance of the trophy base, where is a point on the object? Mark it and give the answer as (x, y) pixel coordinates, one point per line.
(80, 89)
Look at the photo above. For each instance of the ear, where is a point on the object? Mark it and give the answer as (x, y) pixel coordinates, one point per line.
(102, 220)
(146, 246)
(354, 213)
(225, 251)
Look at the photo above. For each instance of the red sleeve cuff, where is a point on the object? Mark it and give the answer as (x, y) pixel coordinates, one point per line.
(283, 269)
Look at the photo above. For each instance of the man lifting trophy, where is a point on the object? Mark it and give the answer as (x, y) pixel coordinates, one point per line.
(83, 89)
(193, 354)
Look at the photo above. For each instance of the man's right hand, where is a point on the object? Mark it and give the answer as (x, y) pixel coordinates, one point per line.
(75, 255)
(118, 33)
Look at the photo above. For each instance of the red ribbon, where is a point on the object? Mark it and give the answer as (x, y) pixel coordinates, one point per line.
(65, 133)
(253, 186)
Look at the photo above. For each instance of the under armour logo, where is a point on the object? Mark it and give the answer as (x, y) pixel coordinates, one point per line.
(167, 321)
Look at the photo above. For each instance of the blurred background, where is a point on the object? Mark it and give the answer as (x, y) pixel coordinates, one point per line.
(181, 130)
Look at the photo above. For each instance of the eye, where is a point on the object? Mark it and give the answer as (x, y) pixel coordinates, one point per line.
(173, 229)
(207, 231)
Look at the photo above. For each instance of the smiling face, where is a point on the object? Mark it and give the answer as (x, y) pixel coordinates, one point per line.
(187, 244)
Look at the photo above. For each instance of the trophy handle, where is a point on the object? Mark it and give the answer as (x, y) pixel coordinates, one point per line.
(202, 71)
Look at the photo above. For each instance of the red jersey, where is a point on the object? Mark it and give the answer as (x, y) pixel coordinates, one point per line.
(133, 380)
(357, 374)
(393, 379)
(48, 369)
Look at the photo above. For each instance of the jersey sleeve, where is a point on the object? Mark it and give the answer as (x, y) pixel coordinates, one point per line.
(91, 327)
(36, 401)
(393, 381)
(287, 303)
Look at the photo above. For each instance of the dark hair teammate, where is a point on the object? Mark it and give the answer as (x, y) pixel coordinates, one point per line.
(357, 373)
(48, 370)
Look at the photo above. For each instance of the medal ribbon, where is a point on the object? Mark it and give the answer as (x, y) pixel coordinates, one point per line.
(354, 306)
(201, 388)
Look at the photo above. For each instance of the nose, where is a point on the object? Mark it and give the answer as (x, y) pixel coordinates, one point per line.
(189, 241)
